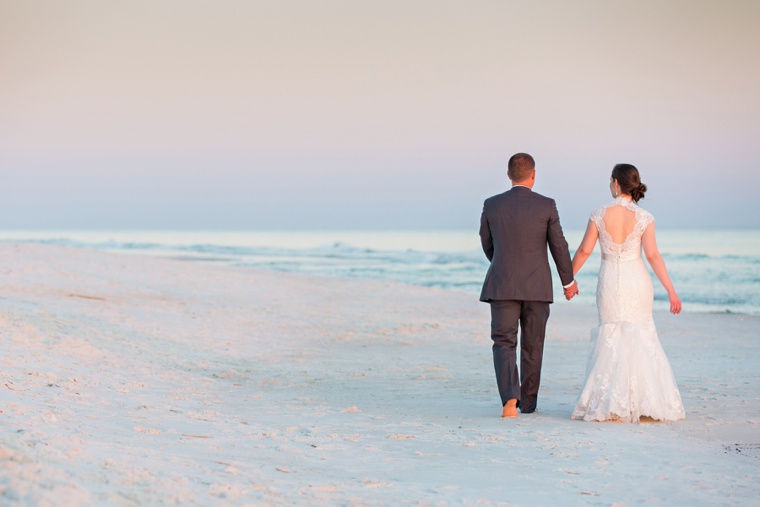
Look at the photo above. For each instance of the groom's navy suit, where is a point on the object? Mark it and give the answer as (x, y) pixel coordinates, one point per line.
(515, 229)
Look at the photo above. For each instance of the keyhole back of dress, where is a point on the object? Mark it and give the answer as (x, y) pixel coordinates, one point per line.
(619, 222)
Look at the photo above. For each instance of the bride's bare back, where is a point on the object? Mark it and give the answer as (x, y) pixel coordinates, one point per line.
(619, 222)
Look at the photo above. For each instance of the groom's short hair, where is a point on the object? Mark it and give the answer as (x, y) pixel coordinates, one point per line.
(520, 167)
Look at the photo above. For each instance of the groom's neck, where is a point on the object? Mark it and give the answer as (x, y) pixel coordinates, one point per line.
(527, 182)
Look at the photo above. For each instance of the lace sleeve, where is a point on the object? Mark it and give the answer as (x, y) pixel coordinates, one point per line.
(646, 218)
(596, 217)
(643, 219)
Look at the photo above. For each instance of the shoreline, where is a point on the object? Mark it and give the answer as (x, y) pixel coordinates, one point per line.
(200, 257)
(132, 380)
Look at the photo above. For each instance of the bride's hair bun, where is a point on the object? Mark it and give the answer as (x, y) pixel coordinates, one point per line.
(638, 192)
(629, 180)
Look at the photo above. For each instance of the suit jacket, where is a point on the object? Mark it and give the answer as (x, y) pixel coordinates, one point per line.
(515, 229)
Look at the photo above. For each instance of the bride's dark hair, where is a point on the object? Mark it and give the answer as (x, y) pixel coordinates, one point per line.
(629, 180)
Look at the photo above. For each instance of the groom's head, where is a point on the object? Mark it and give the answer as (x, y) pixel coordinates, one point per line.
(521, 169)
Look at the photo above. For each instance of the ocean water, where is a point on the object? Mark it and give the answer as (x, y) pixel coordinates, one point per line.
(713, 270)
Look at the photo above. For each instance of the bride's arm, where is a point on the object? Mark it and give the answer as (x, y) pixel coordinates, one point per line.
(586, 247)
(658, 265)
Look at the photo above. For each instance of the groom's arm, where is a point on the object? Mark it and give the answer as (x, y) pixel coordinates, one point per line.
(558, 248)
(485, 236)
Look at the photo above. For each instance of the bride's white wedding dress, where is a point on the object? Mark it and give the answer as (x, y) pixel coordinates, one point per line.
(628, 375)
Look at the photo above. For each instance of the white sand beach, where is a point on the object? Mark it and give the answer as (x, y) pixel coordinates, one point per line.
(134, 380)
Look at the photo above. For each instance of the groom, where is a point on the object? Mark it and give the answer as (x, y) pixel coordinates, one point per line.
(515, 229)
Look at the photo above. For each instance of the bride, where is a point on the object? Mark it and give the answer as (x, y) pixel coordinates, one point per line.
(628, 375)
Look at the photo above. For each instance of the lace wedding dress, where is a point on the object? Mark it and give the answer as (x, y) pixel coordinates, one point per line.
(627, 375)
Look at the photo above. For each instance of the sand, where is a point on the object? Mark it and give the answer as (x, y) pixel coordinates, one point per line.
(129, 380)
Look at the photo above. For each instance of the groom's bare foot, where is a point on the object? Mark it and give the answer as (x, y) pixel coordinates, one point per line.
(510, 408)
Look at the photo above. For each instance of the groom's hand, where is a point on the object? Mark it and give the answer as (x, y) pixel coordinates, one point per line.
(571, 291)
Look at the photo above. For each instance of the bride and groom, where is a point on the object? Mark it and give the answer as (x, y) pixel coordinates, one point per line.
(627, 375)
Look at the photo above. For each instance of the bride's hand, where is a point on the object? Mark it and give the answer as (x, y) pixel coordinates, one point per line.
(675, 303)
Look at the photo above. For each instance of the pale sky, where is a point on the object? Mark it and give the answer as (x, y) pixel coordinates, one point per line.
(384, 114)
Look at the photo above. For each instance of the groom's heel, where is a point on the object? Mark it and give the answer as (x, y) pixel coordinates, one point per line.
(510, 409)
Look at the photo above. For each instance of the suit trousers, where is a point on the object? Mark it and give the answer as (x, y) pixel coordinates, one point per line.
(530, 318)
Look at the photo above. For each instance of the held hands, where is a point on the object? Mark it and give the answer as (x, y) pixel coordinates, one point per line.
(572, 290)
(675, 303)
